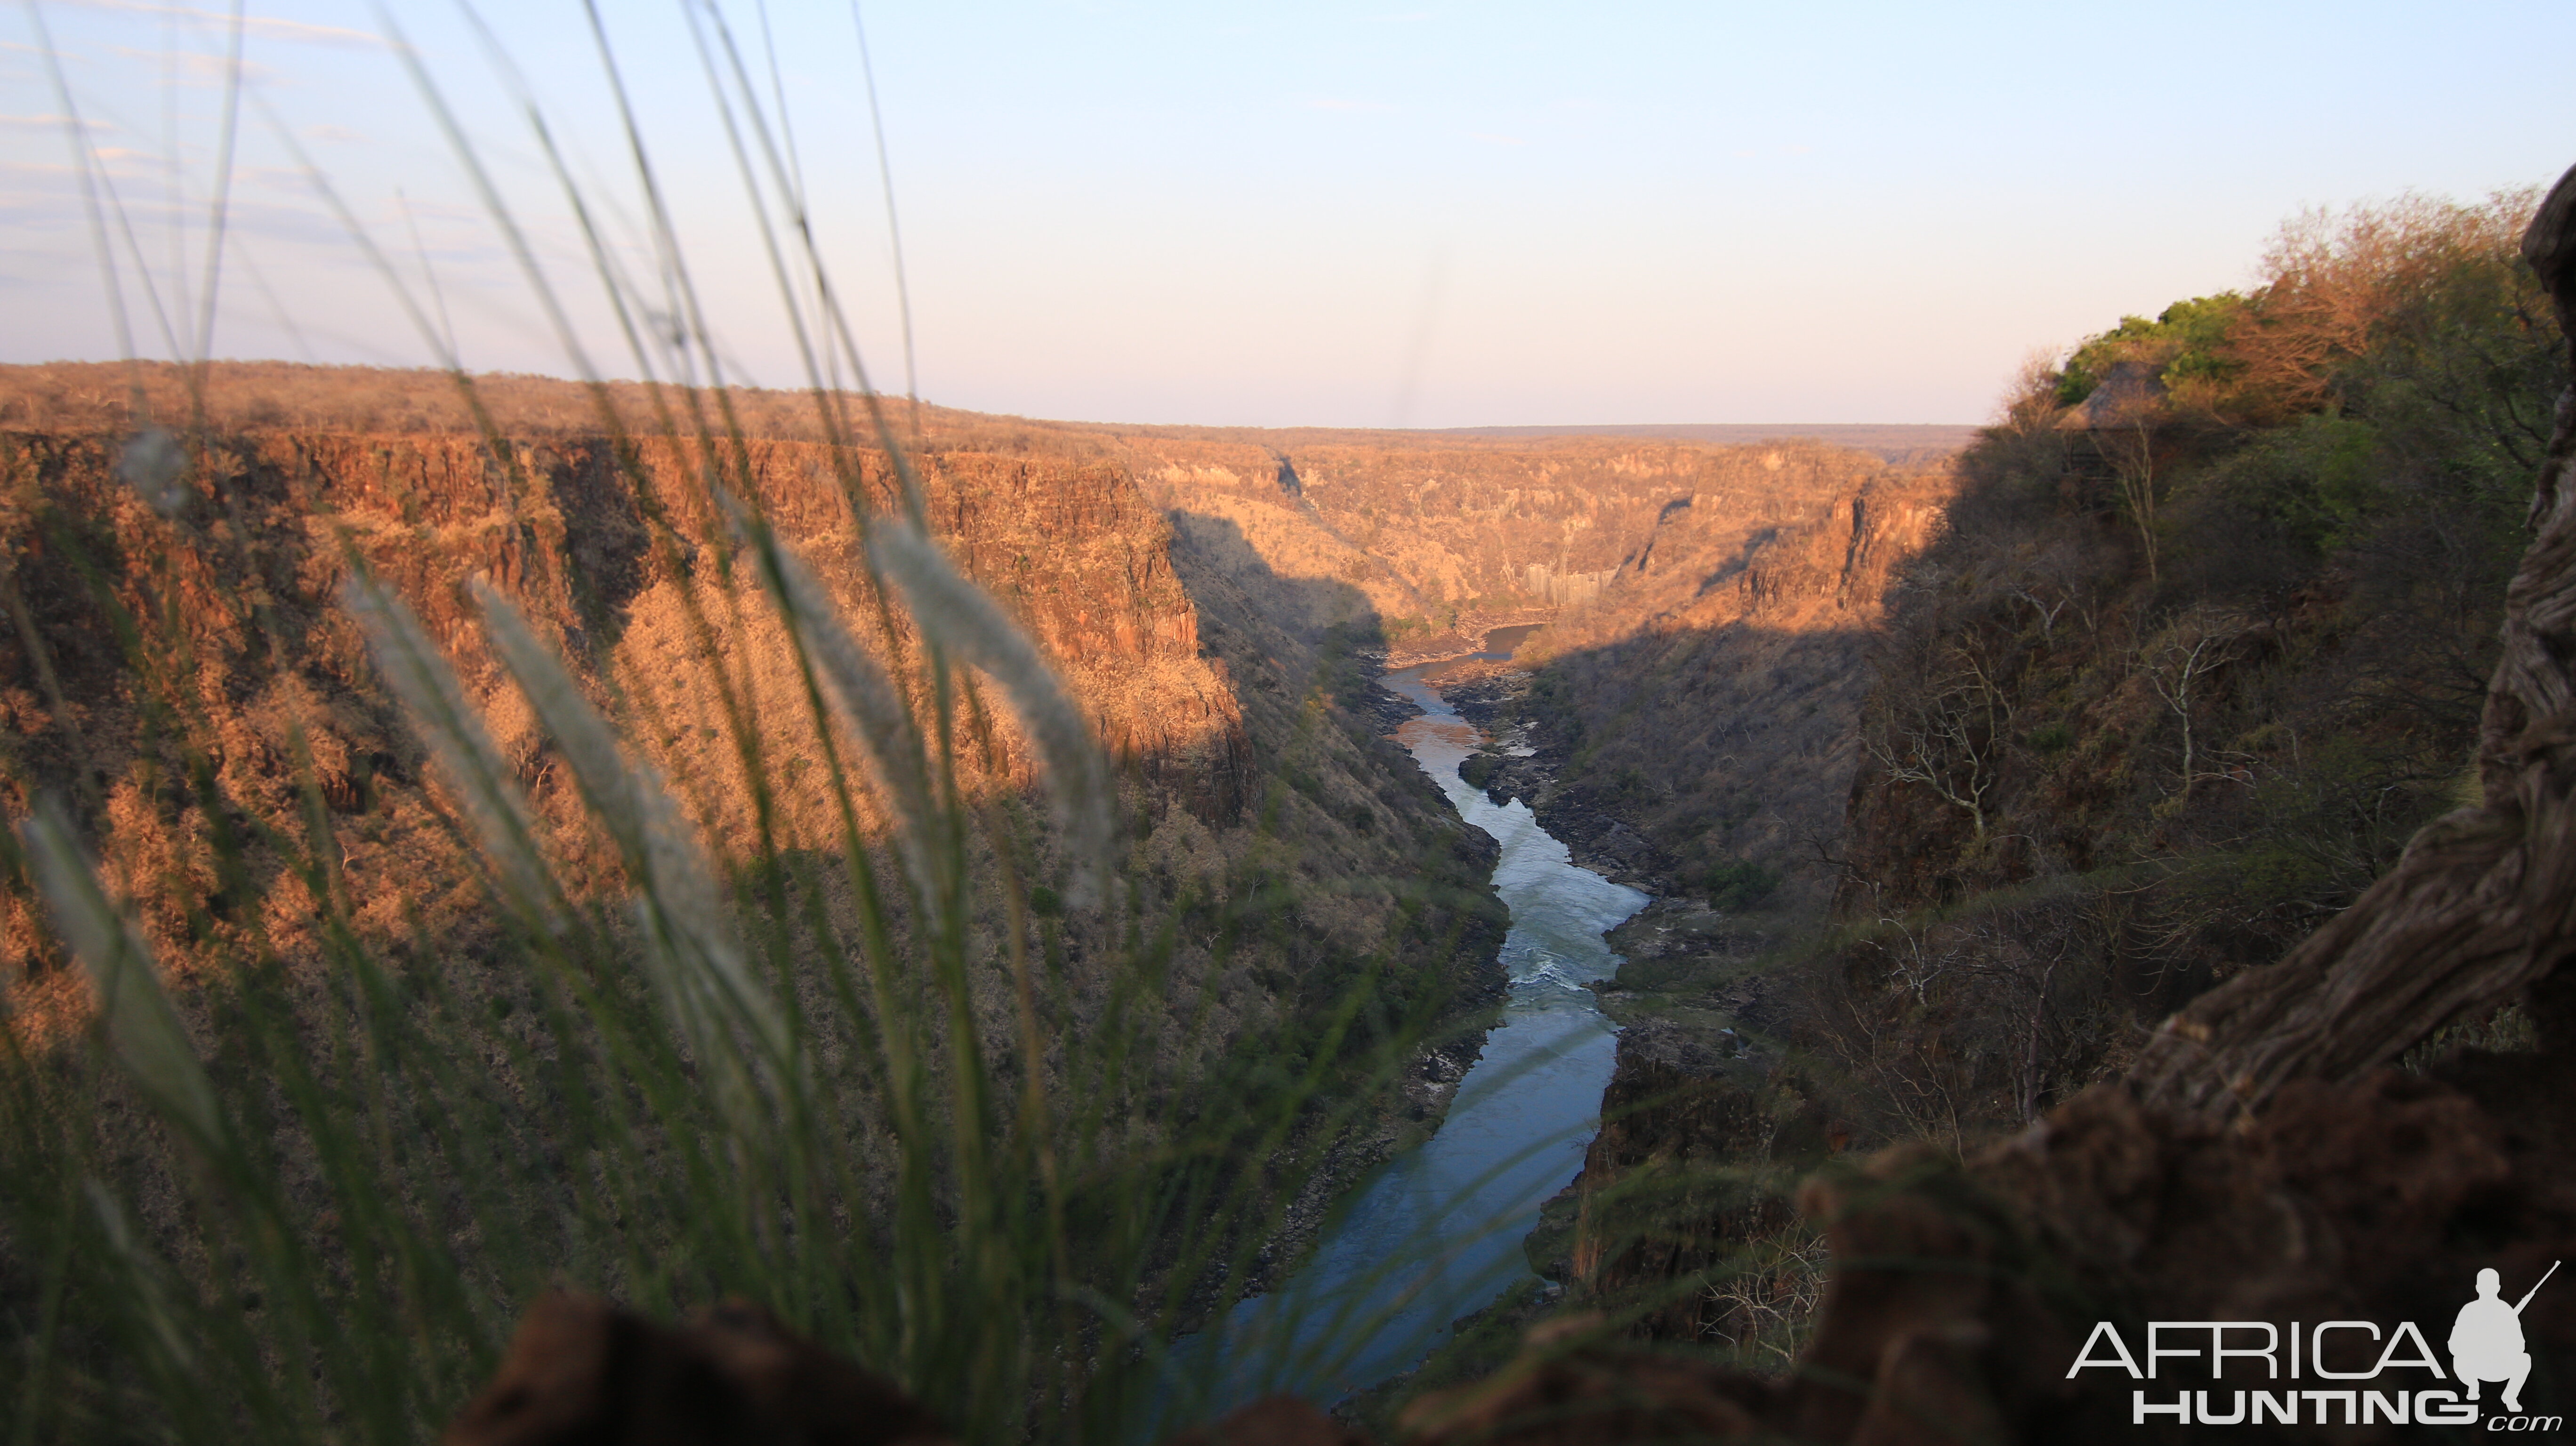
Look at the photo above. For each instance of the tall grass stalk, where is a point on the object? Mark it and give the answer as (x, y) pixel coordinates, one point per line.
(304, 1194)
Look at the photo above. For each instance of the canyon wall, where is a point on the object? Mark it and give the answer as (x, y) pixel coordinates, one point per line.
(1692, 731)
(179, 679)
(1445, 539)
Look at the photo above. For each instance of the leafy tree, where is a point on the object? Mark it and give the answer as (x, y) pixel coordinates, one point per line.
(2114, 764)
(2187, 343)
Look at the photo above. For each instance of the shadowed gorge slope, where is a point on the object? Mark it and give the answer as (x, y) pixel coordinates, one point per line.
(2176, 689)
(2196, 662)
(2201, 645)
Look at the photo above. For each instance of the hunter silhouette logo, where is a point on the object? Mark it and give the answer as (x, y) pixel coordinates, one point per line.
(2486, 1340)
(2486, 1345)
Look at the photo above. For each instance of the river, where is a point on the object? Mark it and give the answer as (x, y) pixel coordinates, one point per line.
(1435, 1232)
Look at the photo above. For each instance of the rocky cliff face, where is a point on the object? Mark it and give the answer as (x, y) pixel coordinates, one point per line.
(1251, 795)
(1693, 731)
(1444, 540)
(247, 570)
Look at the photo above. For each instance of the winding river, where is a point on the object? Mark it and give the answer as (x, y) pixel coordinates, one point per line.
(1435, 1232)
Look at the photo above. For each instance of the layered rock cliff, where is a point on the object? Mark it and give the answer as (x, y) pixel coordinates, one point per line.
(1443, 539)
(1266, 823)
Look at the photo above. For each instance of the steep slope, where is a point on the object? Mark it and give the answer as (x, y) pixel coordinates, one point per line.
(2158, 700)
(2178, 692)
(2260, 1162)
(1285, 850)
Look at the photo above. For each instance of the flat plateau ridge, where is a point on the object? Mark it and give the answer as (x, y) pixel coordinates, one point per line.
(1892, 441)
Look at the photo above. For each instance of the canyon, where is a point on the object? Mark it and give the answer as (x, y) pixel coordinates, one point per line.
(1190, 588)
(183, 680)
(1886, 745)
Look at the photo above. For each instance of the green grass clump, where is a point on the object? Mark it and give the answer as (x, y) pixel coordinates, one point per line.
(935, 1093)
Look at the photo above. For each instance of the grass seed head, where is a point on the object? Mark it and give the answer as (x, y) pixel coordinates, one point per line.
(689, 941)
(152, 464)
(420, 677)
(588, 743)
(141, 1024)
(859, 691)
(965, 620)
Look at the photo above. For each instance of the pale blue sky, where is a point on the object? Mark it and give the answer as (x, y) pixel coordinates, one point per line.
(1429, 215)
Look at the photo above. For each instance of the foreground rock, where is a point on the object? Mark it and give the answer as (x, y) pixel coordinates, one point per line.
(1961, 1297)
(583, 1370)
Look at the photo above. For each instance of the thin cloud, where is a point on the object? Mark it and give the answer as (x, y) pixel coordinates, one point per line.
(266, 26)
(49, 189)
(290, 179)
(198, 68)
(333, 133)
(49, 123)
